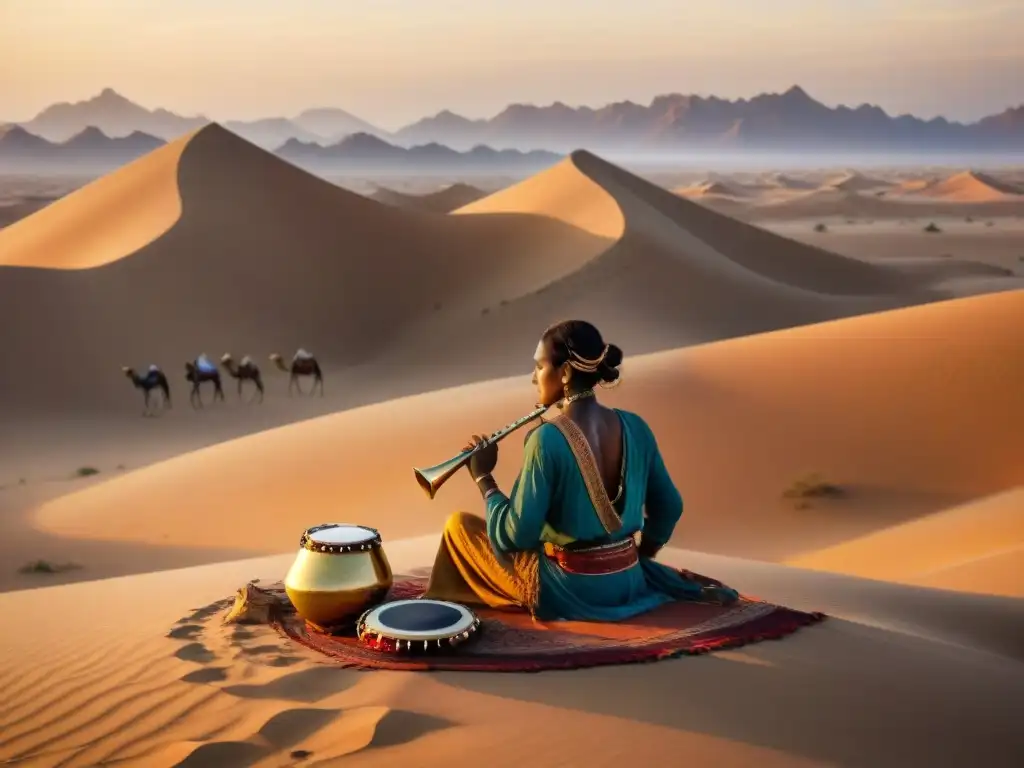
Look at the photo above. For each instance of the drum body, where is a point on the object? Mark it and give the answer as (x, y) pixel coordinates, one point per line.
(340, 571)
(417, 626)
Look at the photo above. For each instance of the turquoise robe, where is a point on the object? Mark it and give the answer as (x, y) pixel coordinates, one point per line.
(550, 494)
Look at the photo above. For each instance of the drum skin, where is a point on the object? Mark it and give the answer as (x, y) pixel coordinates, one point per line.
(331, 589)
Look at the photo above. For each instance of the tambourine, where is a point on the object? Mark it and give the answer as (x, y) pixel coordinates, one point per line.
(417, 626)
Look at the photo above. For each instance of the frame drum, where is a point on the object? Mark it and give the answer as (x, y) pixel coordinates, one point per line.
(340, 570)
(417, 626)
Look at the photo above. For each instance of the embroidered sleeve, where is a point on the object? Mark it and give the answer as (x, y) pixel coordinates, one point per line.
(664, 504)
(515, 522)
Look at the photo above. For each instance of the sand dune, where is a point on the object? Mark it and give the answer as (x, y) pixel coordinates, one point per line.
(783, 181)
(852, 181)
(564, 192)
(231, 247)
(103, 221)
(831, 201)
(975, 547)
(713, 188)
(972, 187)
(908, 412)
(893, 407)
(898, 203)
(581, 238)
(443, 200)
(153, 678)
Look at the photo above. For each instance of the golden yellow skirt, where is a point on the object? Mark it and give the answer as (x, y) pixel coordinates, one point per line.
(468, 570)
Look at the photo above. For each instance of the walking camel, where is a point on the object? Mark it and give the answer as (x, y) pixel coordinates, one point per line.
(303, 364)
(199, 371)
(154, 378)
(244, 370)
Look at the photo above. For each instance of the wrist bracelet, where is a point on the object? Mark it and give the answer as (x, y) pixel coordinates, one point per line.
(491, 492)
(484, 476)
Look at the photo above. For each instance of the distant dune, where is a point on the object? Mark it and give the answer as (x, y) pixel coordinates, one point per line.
(855, 182)
(973, 187)
(443, 200)
(974, 547)
(782, 181)
(831, 201)
(713, 188)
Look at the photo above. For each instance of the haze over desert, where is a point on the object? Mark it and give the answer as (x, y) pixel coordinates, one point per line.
(820, 304)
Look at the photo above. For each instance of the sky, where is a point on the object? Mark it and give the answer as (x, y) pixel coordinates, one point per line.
(394, 61)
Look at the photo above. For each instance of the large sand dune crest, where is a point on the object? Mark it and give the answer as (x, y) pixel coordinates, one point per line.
(82, 230)
(263, 256)
(677, 273)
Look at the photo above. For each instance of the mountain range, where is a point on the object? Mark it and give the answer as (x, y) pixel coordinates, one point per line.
(88, 152)
(91, 151)
(790, 121)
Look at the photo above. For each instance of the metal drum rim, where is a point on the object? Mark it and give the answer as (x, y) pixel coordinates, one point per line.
(308, 544)
(470, 622)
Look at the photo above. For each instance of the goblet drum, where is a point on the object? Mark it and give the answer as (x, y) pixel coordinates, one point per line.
(339, 572)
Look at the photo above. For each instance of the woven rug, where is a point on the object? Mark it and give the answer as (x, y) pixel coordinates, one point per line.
(514, 642)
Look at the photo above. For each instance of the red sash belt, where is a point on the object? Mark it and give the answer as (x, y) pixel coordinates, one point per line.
(596, 560)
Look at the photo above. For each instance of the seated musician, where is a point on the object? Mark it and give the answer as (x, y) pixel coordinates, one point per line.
(562, 544)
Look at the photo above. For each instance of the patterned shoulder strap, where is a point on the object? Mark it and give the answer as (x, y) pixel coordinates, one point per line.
(606, 513)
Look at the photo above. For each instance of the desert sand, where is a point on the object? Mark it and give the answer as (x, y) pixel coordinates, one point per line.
(766, 366)
(443, 200)
(975, 547)
(153, 678)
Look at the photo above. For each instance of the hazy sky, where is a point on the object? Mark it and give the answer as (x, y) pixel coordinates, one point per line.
(393, 61)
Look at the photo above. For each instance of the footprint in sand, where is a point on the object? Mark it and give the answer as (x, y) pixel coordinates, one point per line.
(328, 734)
(206, 675)
(185, 632)
(195, 652)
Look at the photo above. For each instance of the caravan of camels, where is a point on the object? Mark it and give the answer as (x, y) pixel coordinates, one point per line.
(202, 370)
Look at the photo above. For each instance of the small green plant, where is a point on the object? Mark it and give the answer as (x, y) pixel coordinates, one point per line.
(819, 227)
(86, 472)
(45, 566)
(932, 228)
(811, 486)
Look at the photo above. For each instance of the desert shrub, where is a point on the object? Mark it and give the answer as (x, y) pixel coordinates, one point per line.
(819, 227)
(45, 566)
(812, 486)
(932, 227)
(86, 472)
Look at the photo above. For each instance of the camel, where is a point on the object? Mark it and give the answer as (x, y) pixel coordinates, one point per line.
(245, 370)
(199, 371)
(154, 378)
(303, 364)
